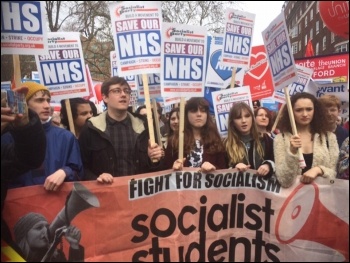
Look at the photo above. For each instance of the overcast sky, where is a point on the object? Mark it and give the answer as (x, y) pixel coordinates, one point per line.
(265, 12)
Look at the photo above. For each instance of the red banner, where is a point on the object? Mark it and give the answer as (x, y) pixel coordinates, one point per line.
(189, 216)
(335, 67)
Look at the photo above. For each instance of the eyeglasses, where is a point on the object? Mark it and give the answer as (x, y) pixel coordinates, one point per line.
(119, 91)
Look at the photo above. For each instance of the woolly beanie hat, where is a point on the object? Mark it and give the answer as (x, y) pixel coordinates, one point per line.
(25, 223)
(33, 87)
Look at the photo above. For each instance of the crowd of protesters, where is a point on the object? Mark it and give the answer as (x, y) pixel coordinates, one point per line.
(116, 142)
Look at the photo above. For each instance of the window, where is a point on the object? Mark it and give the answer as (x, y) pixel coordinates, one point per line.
(317, 9)
(324, 43)
(317, 27)
(305, 40)
(301, 11)
(299, 45)
(305, 21)
(311, 15)
(332, 37)
(317, 48)
(300, 28)
(307, 4)
(341, 48)
(295, 47)
(311, 33)
(294, 31)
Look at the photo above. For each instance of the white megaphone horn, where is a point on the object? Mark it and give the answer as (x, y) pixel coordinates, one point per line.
(312, 221)
(79, 199)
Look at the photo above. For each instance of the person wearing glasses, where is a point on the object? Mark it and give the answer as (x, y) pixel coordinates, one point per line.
(116, 142)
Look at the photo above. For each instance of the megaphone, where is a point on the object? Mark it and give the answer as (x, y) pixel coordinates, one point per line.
(78, 200)
(311, 221)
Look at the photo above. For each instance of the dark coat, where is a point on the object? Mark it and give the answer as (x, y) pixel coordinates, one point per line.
(26, 153)
(97, 150)
(254, 159)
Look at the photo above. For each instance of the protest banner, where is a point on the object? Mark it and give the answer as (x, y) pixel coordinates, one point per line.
(183, 60)
(218, 75)
(23, 28)
(334, 67)
(237, 46)
(238, 34)
(136, 34)
(190, 216)
(62, 69)
(258, 76)
(279, 53)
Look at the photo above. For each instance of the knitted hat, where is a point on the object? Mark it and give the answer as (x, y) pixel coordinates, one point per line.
(25, 223)
(33, 87)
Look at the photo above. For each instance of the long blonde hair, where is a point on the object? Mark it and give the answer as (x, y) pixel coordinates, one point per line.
(234, 147)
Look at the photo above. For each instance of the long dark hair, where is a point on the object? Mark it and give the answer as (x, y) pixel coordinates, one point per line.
(210, 137)
(319, 123)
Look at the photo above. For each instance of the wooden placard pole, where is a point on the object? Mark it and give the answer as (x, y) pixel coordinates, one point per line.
(148, 111)
(279, 114)
(156, 121)
(302, 163)
(69, 116)
(233, 78)
(181, 128)
(17, 70)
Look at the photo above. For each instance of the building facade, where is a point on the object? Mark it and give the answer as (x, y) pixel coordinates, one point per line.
(304, 22)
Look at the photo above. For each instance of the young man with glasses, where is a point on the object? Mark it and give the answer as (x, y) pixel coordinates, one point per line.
(116, 142)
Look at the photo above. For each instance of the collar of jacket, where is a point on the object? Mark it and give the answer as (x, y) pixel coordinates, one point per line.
(100, 123)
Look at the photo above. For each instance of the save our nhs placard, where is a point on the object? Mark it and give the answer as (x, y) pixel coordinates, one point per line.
(183, 60)
(279, 53)
(136, 32)
(218, 75)
(223, 101)
(238, 35)
(304, 77)
(62, 70)
(23, 27)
